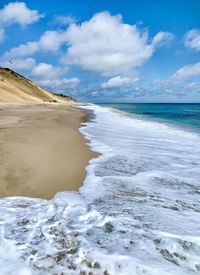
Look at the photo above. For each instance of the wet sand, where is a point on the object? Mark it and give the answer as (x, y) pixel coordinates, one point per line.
(41, 150)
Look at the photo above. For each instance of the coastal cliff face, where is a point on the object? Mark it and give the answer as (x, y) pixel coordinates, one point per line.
(17, 88)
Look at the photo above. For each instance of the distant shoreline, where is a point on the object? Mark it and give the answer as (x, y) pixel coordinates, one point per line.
(42, 150)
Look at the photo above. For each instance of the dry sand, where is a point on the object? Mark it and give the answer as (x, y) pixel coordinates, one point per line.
(41, 150)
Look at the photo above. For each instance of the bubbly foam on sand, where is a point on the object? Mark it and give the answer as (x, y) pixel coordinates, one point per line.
(137, 212)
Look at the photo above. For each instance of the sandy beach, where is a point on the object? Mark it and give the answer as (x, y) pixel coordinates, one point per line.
(41, 150)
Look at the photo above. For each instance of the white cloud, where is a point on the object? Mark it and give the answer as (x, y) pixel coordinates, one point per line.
(52, 40)
(45, 71)
(192, 39)
(162, 38)
(63, 20)
(19, 64)
(2, 35)
(107, 45)
(49, 41)
(186, 72)
(118, 81)
(18, 12)
(192, 86)
(21, 51)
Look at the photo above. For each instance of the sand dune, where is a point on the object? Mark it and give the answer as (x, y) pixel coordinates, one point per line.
(16, 88)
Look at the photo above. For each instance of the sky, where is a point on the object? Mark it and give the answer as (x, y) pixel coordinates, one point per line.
(105, 51)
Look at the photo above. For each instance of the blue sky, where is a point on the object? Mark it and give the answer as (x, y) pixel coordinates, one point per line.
(105, 51)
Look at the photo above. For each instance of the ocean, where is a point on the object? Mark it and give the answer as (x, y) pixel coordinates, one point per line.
(183, 115)
(138, 211)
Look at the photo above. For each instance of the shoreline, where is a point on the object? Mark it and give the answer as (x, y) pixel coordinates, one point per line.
(42, 150)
